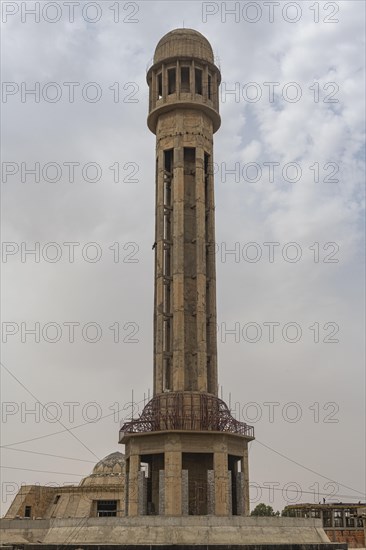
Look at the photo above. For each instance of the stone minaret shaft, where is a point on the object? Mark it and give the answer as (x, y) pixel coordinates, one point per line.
(184, 115)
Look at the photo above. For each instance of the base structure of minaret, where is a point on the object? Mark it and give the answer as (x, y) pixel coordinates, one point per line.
(195, 456)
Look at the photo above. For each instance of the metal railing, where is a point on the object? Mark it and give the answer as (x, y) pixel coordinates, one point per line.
(190, 411)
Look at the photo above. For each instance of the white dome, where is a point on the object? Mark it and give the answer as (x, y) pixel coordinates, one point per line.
(111, 464)
(108, 471)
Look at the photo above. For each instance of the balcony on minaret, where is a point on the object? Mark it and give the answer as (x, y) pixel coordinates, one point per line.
(183, 80)
(183, 75)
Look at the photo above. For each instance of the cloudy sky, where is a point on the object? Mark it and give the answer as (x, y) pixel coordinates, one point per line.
(289, 173)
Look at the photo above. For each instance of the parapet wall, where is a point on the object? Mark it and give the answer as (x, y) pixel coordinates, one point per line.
(182, 532)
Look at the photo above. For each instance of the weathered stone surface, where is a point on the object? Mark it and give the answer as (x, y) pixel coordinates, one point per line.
(142, 494)
(193, 530)
(161, 492)
(191, 547)
(184, 492)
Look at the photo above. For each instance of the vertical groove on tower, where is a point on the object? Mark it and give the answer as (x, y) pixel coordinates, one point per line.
(178, 266)
(211, 328)
(159, 273)
(167, 197)
(201, 271)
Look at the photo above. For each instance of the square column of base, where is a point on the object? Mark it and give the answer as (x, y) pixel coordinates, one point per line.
(142, 494)
(240, 495)
(210, 492)
(173, 483)
(184, 492)
(221, 484)
(245, 471)
(133, 490)
(161, 492)
(229, 494)
(126, 493)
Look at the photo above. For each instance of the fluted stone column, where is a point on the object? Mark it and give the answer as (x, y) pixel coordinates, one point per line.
(173, 483)
(161, 492)
(221, 484)
(142, 494)
(133, 488)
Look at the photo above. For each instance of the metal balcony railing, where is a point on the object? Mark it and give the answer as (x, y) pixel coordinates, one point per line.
(192, 411)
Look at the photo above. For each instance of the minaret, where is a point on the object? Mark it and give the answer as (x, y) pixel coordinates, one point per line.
(184, 114)
(194, 451)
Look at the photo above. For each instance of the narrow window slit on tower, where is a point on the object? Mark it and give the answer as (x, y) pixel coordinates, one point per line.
(160, 85)
(198, 81)
(209, 343)
(168, 161)
(185, 80)
(207, 162)
(171, 81)
(209, 87)
(167, 238)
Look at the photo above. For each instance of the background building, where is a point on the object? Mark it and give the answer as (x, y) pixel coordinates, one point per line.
(342, 522)
(101, 494)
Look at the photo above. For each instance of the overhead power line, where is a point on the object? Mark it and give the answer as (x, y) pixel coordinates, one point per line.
(66, 429)
(42, 405)
(46, 454)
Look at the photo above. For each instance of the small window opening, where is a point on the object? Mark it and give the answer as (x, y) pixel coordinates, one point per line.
(207, 164)
(106, 508)
(209, 90)
(168, 160)
(198, 79)
(327, 518)
(338, 518)
(27, 511)
(171, 81)
(185, 79)
(57, 498)
(160, 85)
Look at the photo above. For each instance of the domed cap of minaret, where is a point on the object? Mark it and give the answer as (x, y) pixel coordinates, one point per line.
(183, 43)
